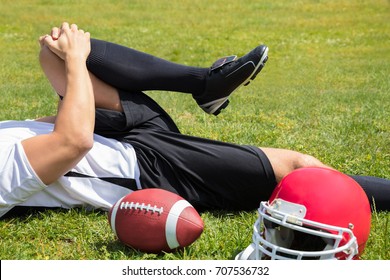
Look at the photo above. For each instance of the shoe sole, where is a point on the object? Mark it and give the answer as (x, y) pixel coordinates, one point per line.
(218, 105)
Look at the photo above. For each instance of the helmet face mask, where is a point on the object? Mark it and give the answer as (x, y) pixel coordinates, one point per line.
(313, 213)
(279, 235)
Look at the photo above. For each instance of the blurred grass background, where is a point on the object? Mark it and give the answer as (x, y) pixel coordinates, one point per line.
(325, 91)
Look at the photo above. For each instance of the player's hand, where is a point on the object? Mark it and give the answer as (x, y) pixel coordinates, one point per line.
(67, 41)
(55, 33)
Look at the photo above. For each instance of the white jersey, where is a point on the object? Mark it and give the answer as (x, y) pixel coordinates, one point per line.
(101, 178)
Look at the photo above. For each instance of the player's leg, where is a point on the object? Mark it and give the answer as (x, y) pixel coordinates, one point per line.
(377, 190)
(285, 161)
(122, 111)
(106, 96)
(133, 70)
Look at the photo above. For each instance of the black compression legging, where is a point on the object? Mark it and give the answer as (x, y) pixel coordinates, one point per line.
(132, 70)
(377, 190)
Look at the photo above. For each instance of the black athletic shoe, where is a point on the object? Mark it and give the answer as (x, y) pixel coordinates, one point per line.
(226, 75)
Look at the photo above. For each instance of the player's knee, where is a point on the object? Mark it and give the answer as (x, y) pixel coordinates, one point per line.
(44, 55)
(305, 160)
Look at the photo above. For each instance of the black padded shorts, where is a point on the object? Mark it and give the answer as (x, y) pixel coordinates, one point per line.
(209, 174)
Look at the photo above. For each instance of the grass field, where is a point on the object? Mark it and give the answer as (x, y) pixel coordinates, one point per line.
(325, 91)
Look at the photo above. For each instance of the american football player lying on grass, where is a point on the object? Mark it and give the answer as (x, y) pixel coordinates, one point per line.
(110, 139)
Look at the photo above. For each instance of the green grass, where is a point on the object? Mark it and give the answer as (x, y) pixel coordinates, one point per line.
(325, 91)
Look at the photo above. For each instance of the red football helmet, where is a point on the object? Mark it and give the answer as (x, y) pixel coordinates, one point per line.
(313, 213)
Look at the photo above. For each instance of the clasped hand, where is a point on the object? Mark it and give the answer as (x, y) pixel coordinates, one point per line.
(67, 42)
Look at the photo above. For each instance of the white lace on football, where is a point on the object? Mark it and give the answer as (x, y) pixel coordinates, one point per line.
(141, 206)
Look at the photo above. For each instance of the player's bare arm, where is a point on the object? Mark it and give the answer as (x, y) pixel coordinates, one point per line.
(52, 155)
